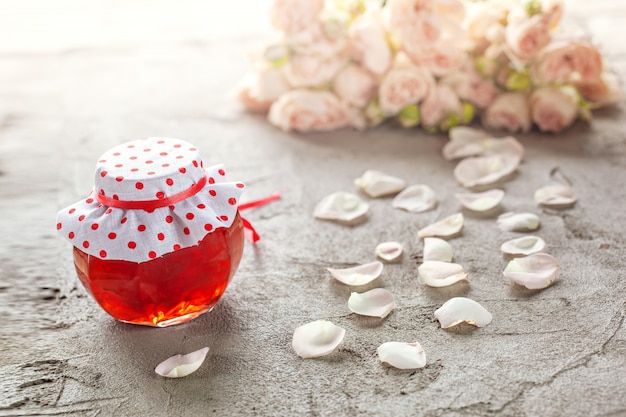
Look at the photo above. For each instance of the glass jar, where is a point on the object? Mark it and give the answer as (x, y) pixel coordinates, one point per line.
(159, 238)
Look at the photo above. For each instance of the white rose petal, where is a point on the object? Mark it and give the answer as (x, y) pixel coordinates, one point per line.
(485, 170)
(342, 207)
(375, 303)
(460, 309)
(416, 199)
(466, 141)
(441, 274)
(436, 249)
(484, 201)
(448, 227)
(378, 184)
(525, 245)
(389, 251)
(358, 275)
(534, 272)
(179, 366)
(555, 196)
(518, 222)
(318, 338)
(402, 355)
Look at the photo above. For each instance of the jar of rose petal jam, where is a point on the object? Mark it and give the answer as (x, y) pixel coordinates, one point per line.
(159, 237)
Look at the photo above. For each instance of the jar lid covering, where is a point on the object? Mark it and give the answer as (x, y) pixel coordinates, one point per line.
(151, 197)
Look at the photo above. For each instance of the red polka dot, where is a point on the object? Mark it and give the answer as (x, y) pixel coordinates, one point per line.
(141, 228)
(195, 163)
(169, 219)
(99, 205)
(182, 170)
(147, 150)
(160, 195)
(225, 218)
(201, 206)
(70, 235)
(151, 173)
(211, 180)
(103, 254)
(109, 210)
(240, 185)
(119, 178)
(116, 197)
(130, 146)
(177, 145)
(193, 149)
(116, 154)
(89, 201)
(112, 235)
(102, 191)
(103, 174)
(59, 226)
(163, 154)
(118, 165)
(172, 207)
(139, 185)
(152, 254)
(189, 216)
(221, 172)
(179, 157)
(165, 165)
(208, 227)
(212, 192)
(85, 244)
(94, 226)
(149, 210)
(232, 201)
(72, 210)
(149, 162)
(134, 170)
(132, 158)
(186, 230)
(132, 245)
(102, 160)
(161, 142)
(161, 236)
(81, 217)
(176, 247)
(169, 182)
(124, 220)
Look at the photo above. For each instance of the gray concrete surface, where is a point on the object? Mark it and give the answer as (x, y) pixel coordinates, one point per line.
(72, 90)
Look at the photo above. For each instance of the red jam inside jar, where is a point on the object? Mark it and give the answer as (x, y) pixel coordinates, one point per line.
(172, 289)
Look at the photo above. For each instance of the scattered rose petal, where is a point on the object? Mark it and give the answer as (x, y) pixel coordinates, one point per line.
(525, 245)
(534, 272)
(416, 199)
(378, 184)
(436, 249)
(460, 309)
(518, 222)
(376, 303)
(358, 275)
(466, 141)
(389, 251)
(555, 196)
(441, 274)
(447, 227)
(318, 338)
(402, 355)
(342, 207)
(484, 201)
(485, 170)
(179, 366)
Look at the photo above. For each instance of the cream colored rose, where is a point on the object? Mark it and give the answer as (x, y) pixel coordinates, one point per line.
(402, 86)
(470, 86)
(444, 58)
(311, 70)
(293, 16)
(567, 61)
(306, 111)
(368, 43)
(553, 109)
(509, 111)
(355, 85)
(526, 35)
(440, 103)
(315, 41)
(261, 88)
(420, 35)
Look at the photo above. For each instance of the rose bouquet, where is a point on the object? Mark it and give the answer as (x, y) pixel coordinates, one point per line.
(432, 63)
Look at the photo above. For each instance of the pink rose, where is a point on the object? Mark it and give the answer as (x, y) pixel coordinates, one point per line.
(443, 58)
(306, 111)
(311, 70)
(355, 85)
(368, 43)
(602, 92)
(414, 23)
(440, 103)
(260, 89)
(510, 112)
(526, 35)
(294, 16)
(553, 109)
(402, 86)
(314, 41)
(567, 62)
(470, 86)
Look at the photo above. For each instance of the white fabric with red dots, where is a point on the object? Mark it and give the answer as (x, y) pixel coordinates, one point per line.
(180, 202)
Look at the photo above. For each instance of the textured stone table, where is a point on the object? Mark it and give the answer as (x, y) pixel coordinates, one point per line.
(76, 81)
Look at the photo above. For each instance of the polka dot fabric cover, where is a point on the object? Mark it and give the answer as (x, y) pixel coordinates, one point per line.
(150, 173)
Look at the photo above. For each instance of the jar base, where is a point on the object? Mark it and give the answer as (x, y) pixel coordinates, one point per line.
(170, 322)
